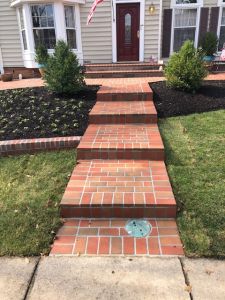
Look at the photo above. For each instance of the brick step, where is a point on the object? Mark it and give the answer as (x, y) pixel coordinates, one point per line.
(132, 92)
(122, 112)
(117, 141)
(123, 66)
(109, 237)
(123, 73)
(113, 188)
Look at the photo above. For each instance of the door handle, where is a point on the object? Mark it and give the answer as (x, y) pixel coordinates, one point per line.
(138, 34)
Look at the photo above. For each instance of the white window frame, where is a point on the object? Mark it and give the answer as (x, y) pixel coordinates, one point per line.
(21, 11)
(42, 28)
(175, 6)
(73, 28)
(59, 25)
(221, 5)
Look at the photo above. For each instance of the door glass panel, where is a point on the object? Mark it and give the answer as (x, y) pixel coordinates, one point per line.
(127, 28)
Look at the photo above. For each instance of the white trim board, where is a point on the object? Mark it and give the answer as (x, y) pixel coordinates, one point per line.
(114, 30)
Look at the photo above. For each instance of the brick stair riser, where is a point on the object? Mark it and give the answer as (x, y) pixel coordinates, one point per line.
(118, 212)
(114, 74)
(125, 67)
(125, 97)
(122, 119)
(149, 154)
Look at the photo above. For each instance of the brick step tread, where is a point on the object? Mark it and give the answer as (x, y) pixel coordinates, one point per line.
(123, 112)
(119, 188)
(80, 236)
(124, 74)
(129, 92)
(123, 108)
(124, 64)
(117, 141)
(121, 71)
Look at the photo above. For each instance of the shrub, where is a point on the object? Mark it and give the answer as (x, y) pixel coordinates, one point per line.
(63, 73)
(185, 69)
(209, 43)
(41, 55)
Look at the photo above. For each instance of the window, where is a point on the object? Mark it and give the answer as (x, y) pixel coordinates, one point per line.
(43, 25)
(22, 29)
(186, 1)
(222, 31)
(185, 21)
(127, 28)
(70, 26)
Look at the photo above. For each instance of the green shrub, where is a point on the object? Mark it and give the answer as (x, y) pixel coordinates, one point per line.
(41, 55)
(209, 43)
(185, 69)
(63, 73)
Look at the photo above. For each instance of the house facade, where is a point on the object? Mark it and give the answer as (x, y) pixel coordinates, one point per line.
(121, 30)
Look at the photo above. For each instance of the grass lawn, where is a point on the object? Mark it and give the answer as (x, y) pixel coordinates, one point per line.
(195, 151)
(31, 187)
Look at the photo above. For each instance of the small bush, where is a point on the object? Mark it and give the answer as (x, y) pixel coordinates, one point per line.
(185, 69)
(63, 73)
(41, 55)
(209, 43)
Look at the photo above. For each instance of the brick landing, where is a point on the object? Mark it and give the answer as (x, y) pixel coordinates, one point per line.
(130, 141)
(126, 188)
(108, 237)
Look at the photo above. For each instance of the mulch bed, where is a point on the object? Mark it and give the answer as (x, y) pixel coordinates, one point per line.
(37, 113)
(169, 103)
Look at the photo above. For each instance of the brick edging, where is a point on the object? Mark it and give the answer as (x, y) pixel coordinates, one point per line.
(16, 147)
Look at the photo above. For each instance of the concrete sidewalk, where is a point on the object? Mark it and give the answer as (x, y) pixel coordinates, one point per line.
(111, 278)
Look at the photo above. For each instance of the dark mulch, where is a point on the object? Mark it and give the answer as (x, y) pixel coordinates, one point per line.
(36, 113)
(169, 102)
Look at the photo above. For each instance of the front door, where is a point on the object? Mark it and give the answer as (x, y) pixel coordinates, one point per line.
(128, 21)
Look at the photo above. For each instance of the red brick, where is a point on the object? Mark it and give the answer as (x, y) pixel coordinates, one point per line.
(61, 249)
(92, 246)
(116, 245)
(141, 246)
(128, 245)
(80, 245)
(104, 245)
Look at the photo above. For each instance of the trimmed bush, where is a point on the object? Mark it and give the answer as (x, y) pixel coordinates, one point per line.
(209, 43)
(185, 69)
(41, 55)
(63, 73)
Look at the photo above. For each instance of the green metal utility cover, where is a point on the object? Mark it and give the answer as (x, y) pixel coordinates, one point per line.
(138, 228)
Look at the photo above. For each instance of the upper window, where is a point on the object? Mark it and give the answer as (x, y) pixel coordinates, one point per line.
(185, 21)
(222, 31)
(43, 25)
(70, 26)
(22, 29)
(186, 1)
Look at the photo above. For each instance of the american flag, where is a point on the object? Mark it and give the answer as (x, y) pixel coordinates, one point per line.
(91, 13)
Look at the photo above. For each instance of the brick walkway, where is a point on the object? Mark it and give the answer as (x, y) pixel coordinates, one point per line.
(120, 175)
(106, 82)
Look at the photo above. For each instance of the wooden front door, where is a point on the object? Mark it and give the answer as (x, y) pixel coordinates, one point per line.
(128, 21)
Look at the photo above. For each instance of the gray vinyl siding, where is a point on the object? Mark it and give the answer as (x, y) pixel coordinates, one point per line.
(9, 36)
(166, 4)
(151, 32)
(97, 37)
(210, 3)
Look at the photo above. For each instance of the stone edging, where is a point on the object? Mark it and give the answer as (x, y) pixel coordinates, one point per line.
(15, 147)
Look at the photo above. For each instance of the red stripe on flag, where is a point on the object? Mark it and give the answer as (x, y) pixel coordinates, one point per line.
(93, 7)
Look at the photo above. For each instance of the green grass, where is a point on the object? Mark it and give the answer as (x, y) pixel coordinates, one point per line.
(195, 157)
(31, 187)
